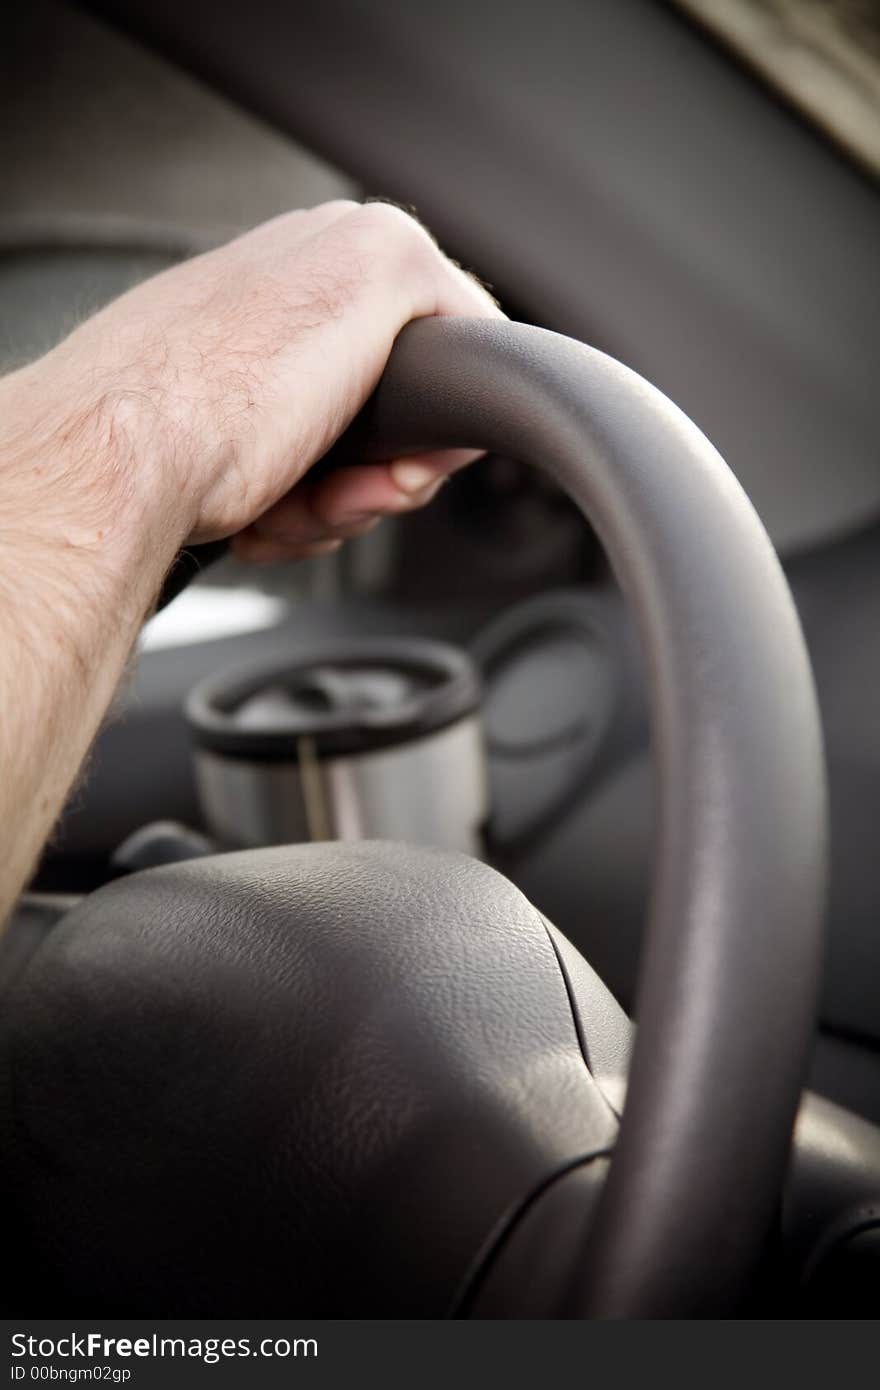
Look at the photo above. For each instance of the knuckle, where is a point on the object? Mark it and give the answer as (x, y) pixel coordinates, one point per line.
(341, 205)
(395, 230)
(394, 250)
(323, 212)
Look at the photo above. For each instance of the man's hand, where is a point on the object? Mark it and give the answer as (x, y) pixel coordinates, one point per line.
(229, 375)
(189, 410)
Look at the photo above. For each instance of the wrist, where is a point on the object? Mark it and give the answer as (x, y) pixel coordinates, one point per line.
(82, 556)
(81, 488)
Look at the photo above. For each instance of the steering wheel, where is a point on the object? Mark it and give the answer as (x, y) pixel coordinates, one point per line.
(385, 1052)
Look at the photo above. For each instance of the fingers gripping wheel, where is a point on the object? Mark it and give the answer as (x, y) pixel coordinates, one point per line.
(730, 966)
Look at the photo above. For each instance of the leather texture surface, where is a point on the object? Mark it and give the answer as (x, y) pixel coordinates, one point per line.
(302, 1081)
(536, 1268)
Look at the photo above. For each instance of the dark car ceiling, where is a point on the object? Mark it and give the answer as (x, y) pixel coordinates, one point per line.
(618, 178)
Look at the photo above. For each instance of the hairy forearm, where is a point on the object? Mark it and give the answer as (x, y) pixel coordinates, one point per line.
(188, 410)
(82, 555)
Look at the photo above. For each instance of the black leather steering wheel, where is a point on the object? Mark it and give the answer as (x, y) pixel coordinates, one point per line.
(730, 966)
(729, 971)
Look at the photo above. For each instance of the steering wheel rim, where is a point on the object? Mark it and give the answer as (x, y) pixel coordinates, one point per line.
(730, 966)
